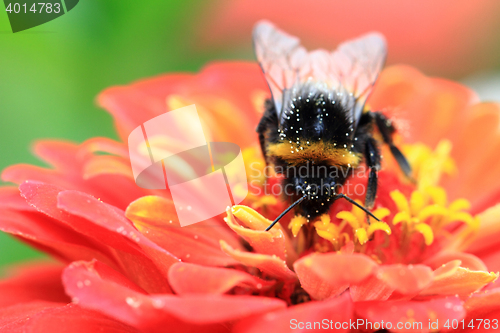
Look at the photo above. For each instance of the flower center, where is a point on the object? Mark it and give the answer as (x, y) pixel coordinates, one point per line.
(414, 217)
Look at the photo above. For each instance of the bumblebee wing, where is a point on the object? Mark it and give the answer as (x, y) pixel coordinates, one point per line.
(355, 65)
(351, 70)
(281, 58)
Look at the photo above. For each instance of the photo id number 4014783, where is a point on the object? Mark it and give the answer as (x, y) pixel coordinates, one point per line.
(37, 8)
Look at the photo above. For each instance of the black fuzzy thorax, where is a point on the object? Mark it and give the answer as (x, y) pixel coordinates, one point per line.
(311, 117)
(317, 116)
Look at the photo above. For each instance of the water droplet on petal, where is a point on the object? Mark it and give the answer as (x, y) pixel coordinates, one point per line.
(158, 303)
(133, 302)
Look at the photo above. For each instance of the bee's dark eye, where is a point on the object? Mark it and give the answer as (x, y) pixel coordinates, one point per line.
(318, 129)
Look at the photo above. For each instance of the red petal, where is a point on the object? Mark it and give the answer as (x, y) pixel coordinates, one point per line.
(156, 219)
(70, 160)
(107, 273)
(458, 281)
(111, 226)
(57, 153)
(329, 312)
(466, 261)
(329, 274)
(44, 317)
(406, 279)
(114, 189)
(50, 236)
(218, 92)
(152, 313)
(40, 281)
(11, 198)
(11, 314)
(444, 102)
(209, 309)
(483, 305)
(492, 261)
(107, 165)
(271, 242)
(127, 254)
(123, 191)
(22, 172)
(487, 240)
(370, 289)
(410, 313)
(60, 154)
(456, 114)
(90, 217)
(185, 279)
(271, 265)
(104, 145)
(489, 200)
(131, 106)
(471, 155)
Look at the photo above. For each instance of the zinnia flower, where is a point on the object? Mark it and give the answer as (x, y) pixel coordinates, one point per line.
(124, 264)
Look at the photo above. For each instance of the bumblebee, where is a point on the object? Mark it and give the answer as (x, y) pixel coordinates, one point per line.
(315, 130)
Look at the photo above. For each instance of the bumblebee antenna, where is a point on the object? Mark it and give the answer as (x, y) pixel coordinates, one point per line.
(338, 196)
(286, 211)
(341, 195)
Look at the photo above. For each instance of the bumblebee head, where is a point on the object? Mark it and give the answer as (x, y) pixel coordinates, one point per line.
(315, 189)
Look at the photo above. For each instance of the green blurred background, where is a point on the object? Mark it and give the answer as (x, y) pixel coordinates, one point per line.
(51, 74)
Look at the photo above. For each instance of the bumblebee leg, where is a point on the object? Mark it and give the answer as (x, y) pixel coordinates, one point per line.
(372, 157)
(261, 130)
(268, 123)
(387, 129)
